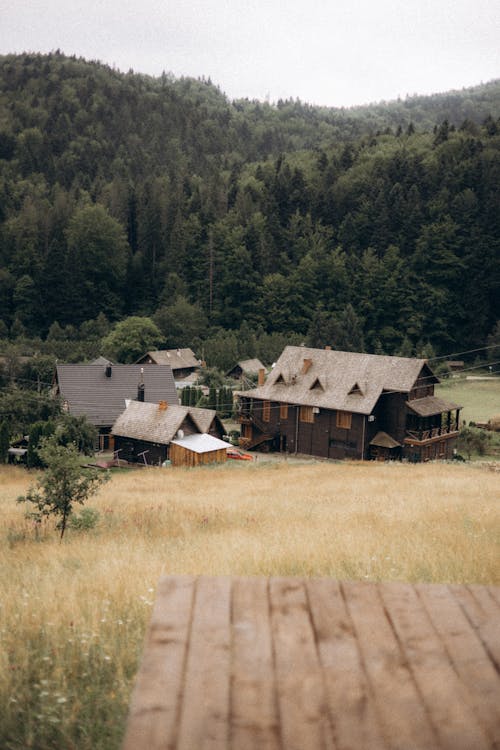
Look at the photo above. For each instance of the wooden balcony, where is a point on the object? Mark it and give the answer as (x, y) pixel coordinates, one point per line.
(433, 434)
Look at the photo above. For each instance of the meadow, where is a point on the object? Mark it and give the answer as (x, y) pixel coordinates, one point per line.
(480, 398)
(73, 614)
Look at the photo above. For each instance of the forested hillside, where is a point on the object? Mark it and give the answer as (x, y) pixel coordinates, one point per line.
(374, 228)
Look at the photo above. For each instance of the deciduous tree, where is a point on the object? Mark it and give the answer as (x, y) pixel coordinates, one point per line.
(63, 484)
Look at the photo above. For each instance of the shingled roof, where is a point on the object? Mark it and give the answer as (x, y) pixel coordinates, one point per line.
(178, 359)
(149, 422)
(89, 392)
(431, 405)
(329, 379)
(249, 366)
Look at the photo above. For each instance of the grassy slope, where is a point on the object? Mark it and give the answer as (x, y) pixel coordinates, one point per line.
(73, 614)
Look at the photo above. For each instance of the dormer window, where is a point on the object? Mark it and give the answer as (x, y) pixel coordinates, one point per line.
(280, 380)
(317, 385)
(356, 389)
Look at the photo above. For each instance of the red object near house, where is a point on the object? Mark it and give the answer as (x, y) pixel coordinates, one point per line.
(238, 456)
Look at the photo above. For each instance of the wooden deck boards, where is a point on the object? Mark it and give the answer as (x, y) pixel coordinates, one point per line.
(311, 664)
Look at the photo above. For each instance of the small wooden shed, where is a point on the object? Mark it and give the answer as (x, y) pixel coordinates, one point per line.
(198, 449)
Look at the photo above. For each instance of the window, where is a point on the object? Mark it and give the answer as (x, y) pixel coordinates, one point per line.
(356, 389)
(344, 419)
(307, 414)
(266, 411)
(283, 411)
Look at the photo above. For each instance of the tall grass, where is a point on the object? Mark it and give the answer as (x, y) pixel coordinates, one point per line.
(73, 615)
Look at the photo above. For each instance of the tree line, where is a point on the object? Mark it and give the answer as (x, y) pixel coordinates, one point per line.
(123, 196)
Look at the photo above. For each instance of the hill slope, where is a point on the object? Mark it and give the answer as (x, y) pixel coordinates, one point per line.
(121, 194)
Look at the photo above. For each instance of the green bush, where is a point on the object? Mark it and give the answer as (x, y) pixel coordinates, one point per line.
(87, 519)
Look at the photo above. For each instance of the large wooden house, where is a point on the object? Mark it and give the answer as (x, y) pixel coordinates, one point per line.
(153, 433)
(335, 404)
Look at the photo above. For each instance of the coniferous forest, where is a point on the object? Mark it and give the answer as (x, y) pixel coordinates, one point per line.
(228, 223)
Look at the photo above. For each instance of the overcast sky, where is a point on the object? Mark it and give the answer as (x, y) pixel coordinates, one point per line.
(329, 52)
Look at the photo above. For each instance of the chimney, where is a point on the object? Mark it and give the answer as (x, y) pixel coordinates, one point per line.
(140, 387)
(162, 406)
(306, 366)
(108, 370)
(262, 376)
(328, 348)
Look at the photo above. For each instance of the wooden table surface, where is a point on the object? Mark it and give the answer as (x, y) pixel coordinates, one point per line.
(306, 664)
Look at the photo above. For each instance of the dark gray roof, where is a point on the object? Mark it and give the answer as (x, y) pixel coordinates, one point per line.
(89, 392)
(142, 421)
(330, 379)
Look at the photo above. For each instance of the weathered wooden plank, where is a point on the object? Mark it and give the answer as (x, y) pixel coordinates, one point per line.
(483, 612)
(301, 690)
(467, 655)
(155, 702)
(204, 719)
(349, 697)
(445, 697)
(405, 721)
(495, 593)
(254, 706)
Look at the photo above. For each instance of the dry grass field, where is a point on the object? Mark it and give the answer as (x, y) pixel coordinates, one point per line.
(73, 614)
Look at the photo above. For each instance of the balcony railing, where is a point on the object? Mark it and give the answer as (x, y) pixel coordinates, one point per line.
(432, 432)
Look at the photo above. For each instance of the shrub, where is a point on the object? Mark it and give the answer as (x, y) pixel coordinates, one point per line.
(87, 519)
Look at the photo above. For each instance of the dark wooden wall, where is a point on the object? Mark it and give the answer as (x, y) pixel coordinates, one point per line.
(130, 450)
(322, 438)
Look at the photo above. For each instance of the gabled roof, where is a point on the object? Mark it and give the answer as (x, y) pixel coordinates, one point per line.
(202, 418)
(142, 421)
(383, 440)
(350, 381)
(89, 392)
(178, 359)
(201, 443)
(250, 366)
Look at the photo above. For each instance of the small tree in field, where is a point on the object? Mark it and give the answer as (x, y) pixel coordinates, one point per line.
(63, 483)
